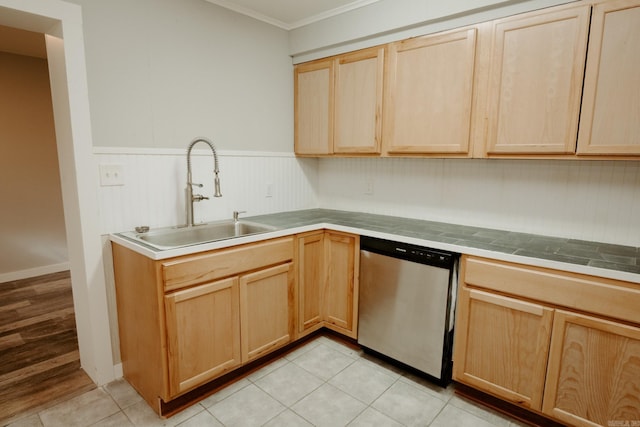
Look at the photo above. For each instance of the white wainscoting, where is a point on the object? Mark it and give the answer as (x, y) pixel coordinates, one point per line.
(590, 200)
(153, 193)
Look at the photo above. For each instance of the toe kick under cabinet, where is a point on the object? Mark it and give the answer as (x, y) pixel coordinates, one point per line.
(560, 344)
(184, 321)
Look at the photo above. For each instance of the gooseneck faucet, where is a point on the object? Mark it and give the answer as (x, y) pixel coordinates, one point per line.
(190, 184)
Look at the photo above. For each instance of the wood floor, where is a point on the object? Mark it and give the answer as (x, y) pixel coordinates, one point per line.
(39, 359)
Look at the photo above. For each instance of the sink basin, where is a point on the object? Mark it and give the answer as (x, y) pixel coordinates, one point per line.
(170, 238)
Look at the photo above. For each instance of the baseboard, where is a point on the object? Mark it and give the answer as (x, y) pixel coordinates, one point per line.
(117, 370)
(33, 272)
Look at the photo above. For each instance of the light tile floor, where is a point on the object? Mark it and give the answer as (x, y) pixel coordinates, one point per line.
(323, 383)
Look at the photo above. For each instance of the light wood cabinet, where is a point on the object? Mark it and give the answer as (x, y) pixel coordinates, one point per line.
(311, 267)
(429, 86)
(516, 339)
(328, 273)
(342, 260)
(358, 102)
(594, 371)
(203, 333)
(524, 86)
(338, 104)
(503, 346)
(187, 320)
(535, 81)
(266, 309)
(611, 102)
(314, 107)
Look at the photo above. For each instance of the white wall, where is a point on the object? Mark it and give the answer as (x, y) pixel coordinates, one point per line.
(590, 200)
(32, 218)
(162, 72)
(390, 20)
(155, 180)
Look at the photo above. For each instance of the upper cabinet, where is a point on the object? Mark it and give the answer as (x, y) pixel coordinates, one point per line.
(313, 126)
(358, 102)
(429, 93)
(338, 104)
(535, 81)
(560, 82)
(611, 103)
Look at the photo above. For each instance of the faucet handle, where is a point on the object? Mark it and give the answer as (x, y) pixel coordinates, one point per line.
(236, 213)
(199, 198)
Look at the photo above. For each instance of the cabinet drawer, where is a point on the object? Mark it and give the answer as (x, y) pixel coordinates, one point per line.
(190, 270)
(606, 297)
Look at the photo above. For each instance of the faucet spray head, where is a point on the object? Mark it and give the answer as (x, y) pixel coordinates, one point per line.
(216, 183)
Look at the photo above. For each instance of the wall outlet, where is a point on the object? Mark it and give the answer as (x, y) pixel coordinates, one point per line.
(111, 174)
(368, 188)
(268, 192)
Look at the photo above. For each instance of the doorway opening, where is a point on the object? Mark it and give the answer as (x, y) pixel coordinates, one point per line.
(61, 23)
(38, 338)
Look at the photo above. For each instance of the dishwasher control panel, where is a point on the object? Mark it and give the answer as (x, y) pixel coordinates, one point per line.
(409, 252)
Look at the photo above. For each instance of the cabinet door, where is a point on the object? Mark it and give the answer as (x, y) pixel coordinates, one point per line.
(428, 94)
(609, 122)
(501, 346)
(313, 115)
(310, 282)
(358, 102)
(266, 310)
(594, 372)
(342, 266)
(536, 80)
(203, 333)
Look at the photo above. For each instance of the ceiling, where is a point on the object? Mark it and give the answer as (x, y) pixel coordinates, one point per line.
(290, 14)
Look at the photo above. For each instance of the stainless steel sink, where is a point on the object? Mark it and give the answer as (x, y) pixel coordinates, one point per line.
(170, 238)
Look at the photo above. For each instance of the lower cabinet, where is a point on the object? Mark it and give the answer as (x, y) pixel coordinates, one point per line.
(594, 371)
(328, 266)
(184, 321)
(506, 343)
(342, 262)
(311, 280)
(266, 310)
(203, 333)
(517, 340)
(214, 328)
(187, 320)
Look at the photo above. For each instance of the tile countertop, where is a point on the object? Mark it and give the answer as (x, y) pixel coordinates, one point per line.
(578, 256)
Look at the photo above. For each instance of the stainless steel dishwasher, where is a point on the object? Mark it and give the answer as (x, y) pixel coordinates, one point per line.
(407, 301)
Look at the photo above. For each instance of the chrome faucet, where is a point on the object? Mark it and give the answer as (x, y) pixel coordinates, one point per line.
(236, 215)
(190, 184)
